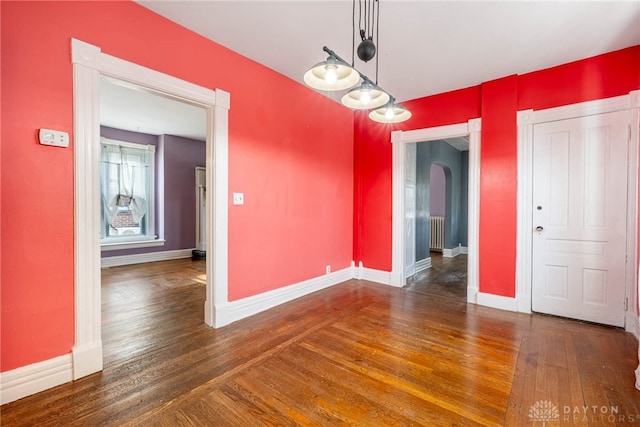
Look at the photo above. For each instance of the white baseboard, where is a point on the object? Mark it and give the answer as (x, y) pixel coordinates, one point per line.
(34, 378)
(472, 294)
(452, 253)
(235, 310)
(415, 268)
(371, 275)
(524, 303)
(378, 276)
(114, 261)
(422, 265)
(497, 301)
(87, 359)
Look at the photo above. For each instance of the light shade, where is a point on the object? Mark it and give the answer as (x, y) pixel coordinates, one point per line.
(390, 113)
(331, 75)
(365, 97)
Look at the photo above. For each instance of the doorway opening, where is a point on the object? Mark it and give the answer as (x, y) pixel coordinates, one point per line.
(408, 172)
(141, 269)
(89, 64)
(441, 213)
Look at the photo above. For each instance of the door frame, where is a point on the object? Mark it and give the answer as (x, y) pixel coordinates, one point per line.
(89, 63)
(471, 129)
(526, 119)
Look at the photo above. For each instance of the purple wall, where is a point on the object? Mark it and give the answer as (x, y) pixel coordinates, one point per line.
(181, 157)
(176, 160)
(438, 188)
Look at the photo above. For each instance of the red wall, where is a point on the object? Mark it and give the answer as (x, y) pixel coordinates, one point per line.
(372, 151)
(296, 172)
(496, 102)
(314, 194)
(498, 189)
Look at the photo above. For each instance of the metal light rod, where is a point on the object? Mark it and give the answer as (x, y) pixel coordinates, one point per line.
(362, 76)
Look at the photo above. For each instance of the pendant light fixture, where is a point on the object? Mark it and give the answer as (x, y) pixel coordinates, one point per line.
(331, 75)
(335, 74)
(365, 97)
(390, 113)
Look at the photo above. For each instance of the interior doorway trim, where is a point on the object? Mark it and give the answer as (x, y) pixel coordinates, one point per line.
(526, 120)
(472, 129)
(89, 63)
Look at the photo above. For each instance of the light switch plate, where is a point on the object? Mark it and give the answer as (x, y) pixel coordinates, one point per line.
(54, 138)
(238, 198)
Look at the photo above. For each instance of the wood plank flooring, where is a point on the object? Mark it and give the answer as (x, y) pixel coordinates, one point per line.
(355, 354)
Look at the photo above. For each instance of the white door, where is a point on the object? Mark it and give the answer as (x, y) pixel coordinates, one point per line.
(579, 217)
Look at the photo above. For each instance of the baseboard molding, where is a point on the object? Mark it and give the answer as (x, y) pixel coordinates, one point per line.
(371, 275)
(497, 301)
(34, 378)
(422, 265)
(524, 303)
(114, 261)
(87, 359)
(472, 294)
(452, 253)
(235, 310)
(416, 268)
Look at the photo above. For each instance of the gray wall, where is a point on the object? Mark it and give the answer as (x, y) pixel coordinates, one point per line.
(176, 160)
(455, 164)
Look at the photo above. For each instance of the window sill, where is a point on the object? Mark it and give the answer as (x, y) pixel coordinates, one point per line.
(114, 246)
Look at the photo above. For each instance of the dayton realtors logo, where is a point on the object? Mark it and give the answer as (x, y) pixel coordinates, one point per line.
(545, 411)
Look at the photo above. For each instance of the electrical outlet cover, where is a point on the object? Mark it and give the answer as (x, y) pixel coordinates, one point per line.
(238, 198)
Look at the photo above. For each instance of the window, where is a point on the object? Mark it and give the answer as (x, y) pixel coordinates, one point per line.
(127, 190)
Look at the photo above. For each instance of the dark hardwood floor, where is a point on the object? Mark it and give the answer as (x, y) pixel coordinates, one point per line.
(355, 354)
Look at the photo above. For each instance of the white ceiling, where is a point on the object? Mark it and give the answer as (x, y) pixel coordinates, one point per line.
(129, 107)
(425, 47)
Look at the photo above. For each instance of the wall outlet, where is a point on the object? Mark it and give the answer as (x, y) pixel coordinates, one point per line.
(328, 269)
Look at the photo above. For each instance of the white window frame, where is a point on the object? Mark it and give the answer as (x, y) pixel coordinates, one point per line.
(150, 239)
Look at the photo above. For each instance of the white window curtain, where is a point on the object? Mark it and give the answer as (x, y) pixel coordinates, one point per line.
(125, 179)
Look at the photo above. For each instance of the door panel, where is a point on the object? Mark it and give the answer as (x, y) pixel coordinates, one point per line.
(579, 217)
(410, 208)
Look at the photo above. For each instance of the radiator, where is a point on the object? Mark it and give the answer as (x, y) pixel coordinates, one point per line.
(436, 242)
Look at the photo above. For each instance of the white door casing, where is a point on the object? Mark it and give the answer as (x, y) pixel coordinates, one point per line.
(410, 209)
(580, 217)
(399, 140)
(89, 63)
(524, 253)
